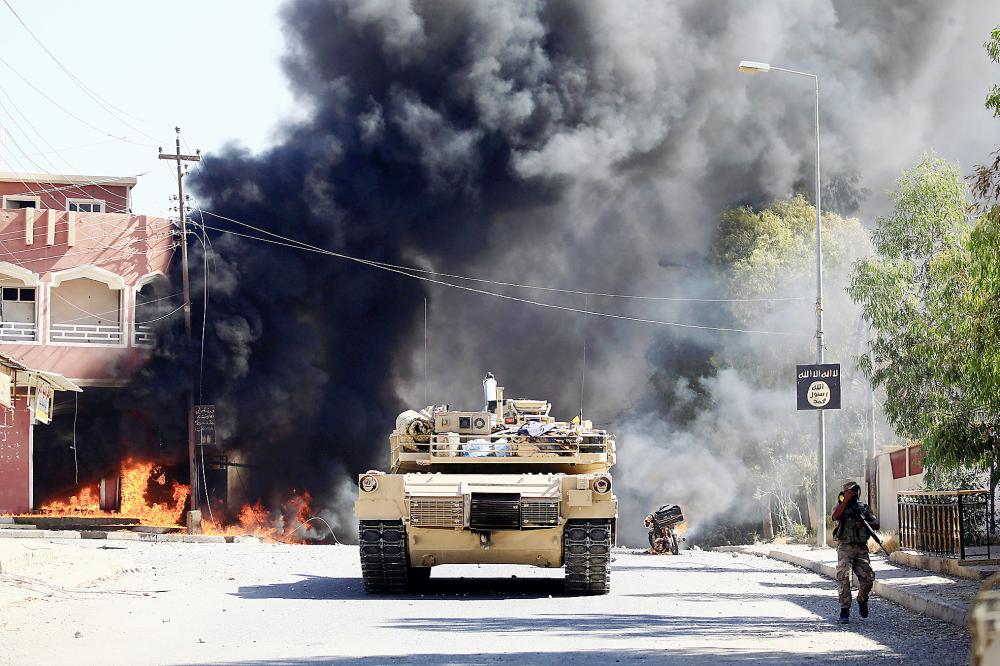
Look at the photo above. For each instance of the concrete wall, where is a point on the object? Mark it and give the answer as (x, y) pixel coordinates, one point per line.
(44, 247)
(85, 301)
(888, 487)
(55, 195)
(16, 458)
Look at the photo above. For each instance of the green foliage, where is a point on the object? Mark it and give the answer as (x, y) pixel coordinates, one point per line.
(992, 46)
(986, 178)
(771, 253)
(926, 292)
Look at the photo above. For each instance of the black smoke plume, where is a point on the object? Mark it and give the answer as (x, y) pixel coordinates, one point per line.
(588, 146)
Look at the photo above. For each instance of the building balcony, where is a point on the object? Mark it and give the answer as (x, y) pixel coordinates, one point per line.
(144, 335)
(87, 334)
(17, 331)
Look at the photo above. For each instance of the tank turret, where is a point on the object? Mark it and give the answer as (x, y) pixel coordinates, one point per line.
(506, 484)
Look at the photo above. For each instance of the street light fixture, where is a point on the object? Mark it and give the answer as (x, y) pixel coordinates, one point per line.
(751, 67)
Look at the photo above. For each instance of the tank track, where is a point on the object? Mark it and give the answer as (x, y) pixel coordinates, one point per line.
(385, 563)
(587, 556)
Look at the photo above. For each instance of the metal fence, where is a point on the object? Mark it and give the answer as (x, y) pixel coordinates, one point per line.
(948, 523)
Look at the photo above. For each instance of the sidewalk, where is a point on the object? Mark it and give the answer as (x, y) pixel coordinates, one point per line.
(47, 567)
(931, 594)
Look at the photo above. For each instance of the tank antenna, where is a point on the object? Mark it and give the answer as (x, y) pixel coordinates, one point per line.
(425, 352)
(583, 370)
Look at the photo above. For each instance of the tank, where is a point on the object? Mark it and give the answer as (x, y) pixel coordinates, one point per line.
(505, 485)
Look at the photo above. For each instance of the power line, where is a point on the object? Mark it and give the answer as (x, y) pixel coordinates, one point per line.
(96, 262)
(412, 269)
(526, 301)
(67, 111)
(104, 104)
(28, 122)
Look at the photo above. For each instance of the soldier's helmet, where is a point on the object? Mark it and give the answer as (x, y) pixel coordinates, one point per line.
(852, 485)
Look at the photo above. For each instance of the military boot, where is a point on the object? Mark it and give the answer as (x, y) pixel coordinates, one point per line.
(862, 608)
(845, 615)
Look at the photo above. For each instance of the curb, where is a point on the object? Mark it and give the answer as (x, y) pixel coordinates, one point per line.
(941, 565)
(919, 603)
(38, 534)
(125, 536)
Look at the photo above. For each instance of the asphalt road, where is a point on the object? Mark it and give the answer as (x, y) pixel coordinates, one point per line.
(245, 603)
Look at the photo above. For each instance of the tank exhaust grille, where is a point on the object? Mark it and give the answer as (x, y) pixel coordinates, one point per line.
(536, 512)
(436, 512)
(495, 511)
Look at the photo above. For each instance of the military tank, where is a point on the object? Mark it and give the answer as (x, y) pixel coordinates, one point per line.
(508, 484)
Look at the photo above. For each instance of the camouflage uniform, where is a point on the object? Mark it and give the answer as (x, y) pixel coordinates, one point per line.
(852, 553)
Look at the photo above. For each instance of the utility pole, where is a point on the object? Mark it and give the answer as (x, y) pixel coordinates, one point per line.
(750, 67)
(194, 514)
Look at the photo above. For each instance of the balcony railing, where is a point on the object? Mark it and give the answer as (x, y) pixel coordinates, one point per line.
(88, 334)
(17, 331)
(948, 524)
(143, 335)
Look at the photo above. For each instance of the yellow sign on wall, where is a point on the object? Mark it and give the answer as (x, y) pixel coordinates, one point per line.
(43, 403)
(6, 399)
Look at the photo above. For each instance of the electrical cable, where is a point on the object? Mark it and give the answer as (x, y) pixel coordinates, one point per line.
(514, 284)
(70, 113)
(104, 104)
(172, 312)
(201, 365)
(76, 465)
(309, 520)
(28, 122)
(507, 297)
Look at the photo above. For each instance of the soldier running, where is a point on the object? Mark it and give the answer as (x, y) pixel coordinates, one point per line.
(852, 549)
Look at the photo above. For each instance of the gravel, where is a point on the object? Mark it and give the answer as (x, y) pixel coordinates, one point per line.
(261, 603)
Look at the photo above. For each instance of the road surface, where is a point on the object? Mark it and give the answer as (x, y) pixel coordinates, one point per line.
(258, 603)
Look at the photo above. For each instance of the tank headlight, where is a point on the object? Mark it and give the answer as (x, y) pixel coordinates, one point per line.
(368, 483)
(602, 484)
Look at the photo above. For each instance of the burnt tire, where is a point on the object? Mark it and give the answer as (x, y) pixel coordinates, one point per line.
(385, 562)
(587, 556)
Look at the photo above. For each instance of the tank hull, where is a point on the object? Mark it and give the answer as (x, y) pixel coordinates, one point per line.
(537, 547)
(438, 513)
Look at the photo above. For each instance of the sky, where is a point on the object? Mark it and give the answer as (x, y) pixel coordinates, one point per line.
(211, 68)
(214, 69)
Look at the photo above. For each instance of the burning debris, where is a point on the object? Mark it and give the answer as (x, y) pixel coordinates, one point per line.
(148, 499)
(665, 527)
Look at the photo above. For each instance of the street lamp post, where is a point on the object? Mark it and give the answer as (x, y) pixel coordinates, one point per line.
(749, 67)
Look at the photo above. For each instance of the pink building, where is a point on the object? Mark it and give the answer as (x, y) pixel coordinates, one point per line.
(83, 194)
(77, 272)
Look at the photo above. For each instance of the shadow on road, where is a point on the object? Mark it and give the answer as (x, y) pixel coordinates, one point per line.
(673, 657)
(322, 588)
(618, 626)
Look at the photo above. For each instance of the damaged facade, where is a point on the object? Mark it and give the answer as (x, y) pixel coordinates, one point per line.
(82, 278)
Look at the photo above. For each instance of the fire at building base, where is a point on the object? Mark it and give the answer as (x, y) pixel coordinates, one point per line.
(144, 497)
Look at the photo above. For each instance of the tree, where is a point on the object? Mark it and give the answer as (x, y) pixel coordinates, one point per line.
(922, 293)
(986, 178)
(770, 253)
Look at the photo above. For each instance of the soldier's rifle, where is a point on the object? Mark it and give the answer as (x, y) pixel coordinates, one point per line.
(855, 509)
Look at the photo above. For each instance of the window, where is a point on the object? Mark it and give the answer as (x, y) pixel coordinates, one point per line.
(898, 461)
(85, 205)
(17, 307)
(17, 201)
(19, 294)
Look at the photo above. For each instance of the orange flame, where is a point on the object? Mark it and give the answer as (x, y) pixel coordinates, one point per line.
(147, 494)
